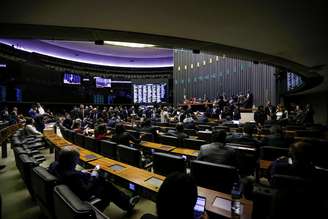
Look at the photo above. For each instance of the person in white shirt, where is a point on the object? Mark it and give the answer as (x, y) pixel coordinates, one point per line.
(30, 129)
(164, 115)
(40, 109)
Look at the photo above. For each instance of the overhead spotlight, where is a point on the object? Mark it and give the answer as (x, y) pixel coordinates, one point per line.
(196, 51)
(99, 42)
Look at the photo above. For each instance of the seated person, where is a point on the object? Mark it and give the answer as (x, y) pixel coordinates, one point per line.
(176, 198)
(216, 152)
(189, 122)
(297, 164)
(30, 129)
(101, 132)
(276, 138)
(39, 123)
(88, 185)
(148, 128)
(226, 113)
(76, 127)
(245, 138)
(259, 116)
(67, 122)
(122, 137)
(179, 132)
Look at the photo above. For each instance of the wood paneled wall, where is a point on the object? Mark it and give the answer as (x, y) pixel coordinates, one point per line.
(196, 75)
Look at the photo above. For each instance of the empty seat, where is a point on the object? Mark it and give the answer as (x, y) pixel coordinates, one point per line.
(147, 137)
(272, 153)
(164, 164)
(25, 164)
(190, 131)
(43, 184)
(214, 176)
(108, 149)
(193, 143)
(67, 205)
(129, 155)
(92, 144)
(169, 140)
(70, 135)
(204, 135)
(134, 133)
(79, 140)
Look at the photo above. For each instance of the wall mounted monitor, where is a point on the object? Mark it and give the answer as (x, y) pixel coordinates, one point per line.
(70, 78)
(150, 93)
(103, 82)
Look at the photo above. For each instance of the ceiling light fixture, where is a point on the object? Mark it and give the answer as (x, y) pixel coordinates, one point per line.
(127, 44)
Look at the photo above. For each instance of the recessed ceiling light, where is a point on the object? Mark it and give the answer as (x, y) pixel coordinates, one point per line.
(128, 44)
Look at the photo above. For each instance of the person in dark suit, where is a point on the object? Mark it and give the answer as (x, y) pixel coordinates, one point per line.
(122, 137)
(270, 111)
(297, 164)
(216, 152)
(179, 132)
(246, 137)
(276, 138)
(259, 116)
(88, 185)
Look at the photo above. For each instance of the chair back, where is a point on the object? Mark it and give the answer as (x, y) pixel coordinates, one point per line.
(131, 156)
(79, 139)
(25, 164)
(168, 140)
(108, 149)
(164, 164)
(43, 184)
(67, 205)
(214, 176)
(272, 153)
(92, 144)
(193, 143)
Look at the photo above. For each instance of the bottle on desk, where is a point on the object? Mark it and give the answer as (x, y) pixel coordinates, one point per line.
(235, 201)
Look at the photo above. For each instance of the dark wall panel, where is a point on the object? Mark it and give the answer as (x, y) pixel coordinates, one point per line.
(197, 75)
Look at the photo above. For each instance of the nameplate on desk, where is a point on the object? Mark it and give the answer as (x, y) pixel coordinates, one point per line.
(154, 182)
(90, 156)
(116, 167)
(164, 147)
(225, 204)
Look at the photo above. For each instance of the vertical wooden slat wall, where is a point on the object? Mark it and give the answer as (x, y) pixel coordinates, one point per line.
(220, 75)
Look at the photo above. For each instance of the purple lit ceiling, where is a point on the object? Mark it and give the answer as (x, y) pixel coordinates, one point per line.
(88, 52)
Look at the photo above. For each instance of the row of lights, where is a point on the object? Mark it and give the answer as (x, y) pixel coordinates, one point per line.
(204, 63)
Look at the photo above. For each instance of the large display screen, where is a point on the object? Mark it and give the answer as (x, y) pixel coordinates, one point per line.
(72, 78)
(149, 93)
(103, 82)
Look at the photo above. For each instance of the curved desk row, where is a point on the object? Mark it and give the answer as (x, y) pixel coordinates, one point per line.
(147, 183)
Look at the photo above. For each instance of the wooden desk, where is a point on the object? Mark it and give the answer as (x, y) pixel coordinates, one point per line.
(87, 156)
(129, 173)
(211, 195)
(157, 146)
(59, 143)
(186, 151)
(265, 164)
(141, 177)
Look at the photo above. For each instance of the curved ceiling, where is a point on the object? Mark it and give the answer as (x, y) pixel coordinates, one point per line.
(292, 30)
(88, 52)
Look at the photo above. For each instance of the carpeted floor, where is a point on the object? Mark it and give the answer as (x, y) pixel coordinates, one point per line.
(17, 202)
